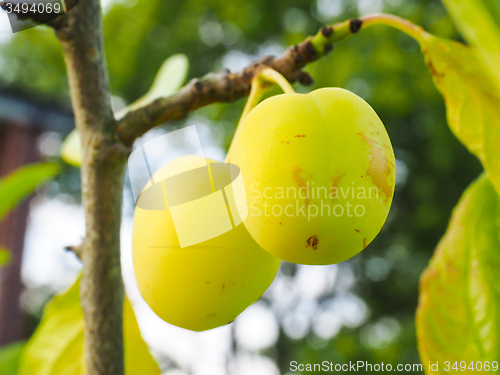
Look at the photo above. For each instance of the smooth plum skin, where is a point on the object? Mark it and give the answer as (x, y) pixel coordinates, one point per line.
(197, 287)
(329, 139)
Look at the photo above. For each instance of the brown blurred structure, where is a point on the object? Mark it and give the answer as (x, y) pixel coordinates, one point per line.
(22, 120)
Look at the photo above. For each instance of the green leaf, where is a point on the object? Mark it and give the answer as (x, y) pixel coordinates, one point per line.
(472, 102)
(168, 81)
(22, 182)
(57, 347)
(458, 318)
(9, 358)
(4, 256)
(477, 23)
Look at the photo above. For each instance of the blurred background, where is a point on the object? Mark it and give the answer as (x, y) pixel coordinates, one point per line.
(360, 310)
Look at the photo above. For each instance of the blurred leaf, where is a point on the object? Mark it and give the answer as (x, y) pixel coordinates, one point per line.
(9, 358)
(4, 256)
(25, 53)
(472, 103)
(71, 149)
(57, 347)
(458, 318)
(168, 81)
(477, 24)
(126, 27)
(19, 184)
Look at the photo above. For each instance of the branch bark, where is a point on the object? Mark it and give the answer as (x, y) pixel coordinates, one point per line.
(223, 86)
(104, 160)
(228, 87)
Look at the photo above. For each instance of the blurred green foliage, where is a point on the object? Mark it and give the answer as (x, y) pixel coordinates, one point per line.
(4, 257)
(10, 356)
(381, 65)
(16, 186)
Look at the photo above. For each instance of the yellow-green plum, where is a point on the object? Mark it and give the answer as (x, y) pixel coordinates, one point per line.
(202, 286)
(319, 172)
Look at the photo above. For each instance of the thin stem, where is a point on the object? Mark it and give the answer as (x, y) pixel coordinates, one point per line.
(257, 91)
(259, 88)
(228, 87)
(272, 75)
(416, 32)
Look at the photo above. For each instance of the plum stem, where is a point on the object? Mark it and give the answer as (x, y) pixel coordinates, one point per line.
(228, 87)
(412, 30)
(259, 86)
(256, 92)
(271, 75)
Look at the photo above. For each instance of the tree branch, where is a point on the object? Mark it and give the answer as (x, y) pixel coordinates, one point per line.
(104, 160)
(228, 87)
(223, 86)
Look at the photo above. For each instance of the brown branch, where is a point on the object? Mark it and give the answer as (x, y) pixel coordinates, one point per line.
(214, 88)
(77, 250)
(104, 160)
(228, 87)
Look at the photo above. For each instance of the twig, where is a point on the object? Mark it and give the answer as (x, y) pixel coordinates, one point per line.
(228, 87)
(77, 250)
(214, 88)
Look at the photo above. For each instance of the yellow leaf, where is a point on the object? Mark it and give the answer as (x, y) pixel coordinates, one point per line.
(71, 149)
(472, 101)
(57, 346)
